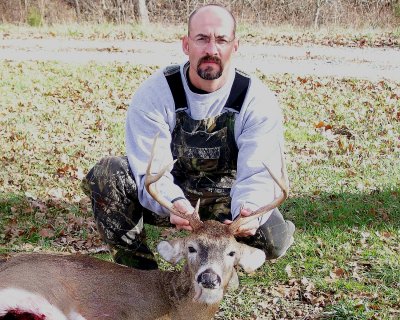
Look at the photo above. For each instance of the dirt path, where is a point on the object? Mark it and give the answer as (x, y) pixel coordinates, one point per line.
(363, 63)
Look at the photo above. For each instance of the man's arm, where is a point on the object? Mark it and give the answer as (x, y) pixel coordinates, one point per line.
(152, 112)
(259, 136)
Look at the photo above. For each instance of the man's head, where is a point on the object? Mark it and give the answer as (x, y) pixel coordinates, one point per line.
(210, 43)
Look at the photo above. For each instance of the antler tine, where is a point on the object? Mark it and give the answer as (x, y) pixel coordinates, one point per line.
(150, 180)
(235, 225)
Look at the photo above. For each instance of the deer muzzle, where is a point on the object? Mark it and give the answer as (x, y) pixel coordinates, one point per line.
(209, 279)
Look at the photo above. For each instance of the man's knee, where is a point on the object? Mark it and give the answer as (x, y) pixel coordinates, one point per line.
(109, 166)
(108, 170)
(276, 238)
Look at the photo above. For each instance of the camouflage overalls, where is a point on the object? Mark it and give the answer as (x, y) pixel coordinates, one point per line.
(206, 169)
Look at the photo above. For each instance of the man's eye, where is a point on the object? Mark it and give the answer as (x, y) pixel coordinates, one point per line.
(202, 40)
(222, 41)
(192, 250)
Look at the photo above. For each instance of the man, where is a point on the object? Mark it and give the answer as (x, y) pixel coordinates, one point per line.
(220, 124)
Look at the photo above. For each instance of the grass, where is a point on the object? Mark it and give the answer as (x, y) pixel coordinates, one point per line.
(343, 154)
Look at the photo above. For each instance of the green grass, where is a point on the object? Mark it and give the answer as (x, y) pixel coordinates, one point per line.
(343, 156)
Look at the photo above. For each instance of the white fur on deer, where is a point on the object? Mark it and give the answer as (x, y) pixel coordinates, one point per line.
(30, 302)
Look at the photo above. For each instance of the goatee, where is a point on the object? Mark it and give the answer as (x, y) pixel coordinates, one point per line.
(209, 73)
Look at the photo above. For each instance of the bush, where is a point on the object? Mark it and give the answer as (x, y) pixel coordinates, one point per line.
(34, 18)
(396, 9)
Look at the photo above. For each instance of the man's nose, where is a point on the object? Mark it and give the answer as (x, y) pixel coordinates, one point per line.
(211, 47)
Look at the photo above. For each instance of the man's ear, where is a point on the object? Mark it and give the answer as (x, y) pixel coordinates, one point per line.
(171, 251)
(236, 45)
(185, 45)
(250, 258)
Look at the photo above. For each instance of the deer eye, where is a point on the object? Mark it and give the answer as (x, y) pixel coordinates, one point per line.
(232, 253)
(191, 249)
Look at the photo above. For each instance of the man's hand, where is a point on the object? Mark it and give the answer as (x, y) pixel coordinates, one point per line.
(185, 207)
(248, 229)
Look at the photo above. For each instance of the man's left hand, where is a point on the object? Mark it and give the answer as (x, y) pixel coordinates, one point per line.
(248, 229)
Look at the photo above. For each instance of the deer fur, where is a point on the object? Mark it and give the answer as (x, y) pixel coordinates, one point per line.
(79, 287)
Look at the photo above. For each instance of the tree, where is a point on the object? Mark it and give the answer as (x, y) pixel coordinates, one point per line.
(142, 12)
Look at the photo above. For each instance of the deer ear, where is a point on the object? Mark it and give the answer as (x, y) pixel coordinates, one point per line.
(171, 251)
(251, 258)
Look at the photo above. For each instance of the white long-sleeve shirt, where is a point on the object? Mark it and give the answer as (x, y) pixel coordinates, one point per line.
(258, 134)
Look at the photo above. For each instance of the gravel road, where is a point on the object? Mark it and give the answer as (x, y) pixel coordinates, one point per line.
(362, 63)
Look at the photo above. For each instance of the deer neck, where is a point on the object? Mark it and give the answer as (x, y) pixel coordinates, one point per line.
(179, 291)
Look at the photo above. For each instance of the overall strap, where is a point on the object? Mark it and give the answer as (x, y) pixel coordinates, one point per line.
(238, 91)
(236, 96)
(173, 76)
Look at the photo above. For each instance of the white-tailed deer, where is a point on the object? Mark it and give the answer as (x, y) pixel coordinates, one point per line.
(78, 287)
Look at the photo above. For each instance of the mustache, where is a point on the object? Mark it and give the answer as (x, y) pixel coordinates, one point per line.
(209, 59)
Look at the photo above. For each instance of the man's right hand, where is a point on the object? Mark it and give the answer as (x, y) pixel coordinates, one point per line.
(185, 207)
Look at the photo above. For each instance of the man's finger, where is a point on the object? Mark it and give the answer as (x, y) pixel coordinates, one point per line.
(179, 220)
(245, 212)
(246, 233)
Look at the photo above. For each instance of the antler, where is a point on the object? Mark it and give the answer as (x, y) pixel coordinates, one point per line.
(194, 219)
(235, 225)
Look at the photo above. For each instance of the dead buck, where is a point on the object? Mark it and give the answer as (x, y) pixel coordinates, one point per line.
(77, 287)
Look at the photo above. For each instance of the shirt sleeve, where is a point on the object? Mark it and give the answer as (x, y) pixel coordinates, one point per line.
(148, 116)
(259, 136)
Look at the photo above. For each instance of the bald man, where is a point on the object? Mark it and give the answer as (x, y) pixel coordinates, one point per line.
(220, 125)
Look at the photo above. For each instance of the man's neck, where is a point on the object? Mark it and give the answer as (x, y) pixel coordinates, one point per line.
(191, 86)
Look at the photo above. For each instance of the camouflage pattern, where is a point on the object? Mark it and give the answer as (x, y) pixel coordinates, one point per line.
(206, 167)
(117, 211)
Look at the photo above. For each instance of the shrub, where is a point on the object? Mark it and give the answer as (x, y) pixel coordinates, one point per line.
(396, 9)
(34, 18)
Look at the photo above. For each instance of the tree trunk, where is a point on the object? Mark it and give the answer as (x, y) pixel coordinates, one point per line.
(26, 8)
(317, 13)
(21, 14)
(142, 12)
(78, 10)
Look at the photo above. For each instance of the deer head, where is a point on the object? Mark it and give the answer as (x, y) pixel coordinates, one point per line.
(211, 250)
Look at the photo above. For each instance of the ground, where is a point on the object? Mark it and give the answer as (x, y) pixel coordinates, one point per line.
(363, 63)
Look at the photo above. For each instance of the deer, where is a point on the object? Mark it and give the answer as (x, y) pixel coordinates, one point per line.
(40, 286)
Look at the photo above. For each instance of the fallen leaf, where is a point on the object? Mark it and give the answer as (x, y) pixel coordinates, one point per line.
(46, 233)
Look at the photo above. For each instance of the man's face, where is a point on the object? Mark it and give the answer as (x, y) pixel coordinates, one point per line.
(210, 43)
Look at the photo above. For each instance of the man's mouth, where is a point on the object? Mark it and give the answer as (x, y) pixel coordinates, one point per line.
(210, 60)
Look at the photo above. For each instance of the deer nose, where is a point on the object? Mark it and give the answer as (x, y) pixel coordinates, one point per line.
(209, 279)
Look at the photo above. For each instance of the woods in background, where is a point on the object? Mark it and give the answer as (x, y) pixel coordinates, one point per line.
(308, 13)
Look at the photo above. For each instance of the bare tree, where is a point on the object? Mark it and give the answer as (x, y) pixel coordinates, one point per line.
(78, 10)
(142, 12)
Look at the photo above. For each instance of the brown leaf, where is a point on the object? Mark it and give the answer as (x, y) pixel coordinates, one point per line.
(337, 273)
(350, 173)
(385, 216)
(38, 205)
(46, 233)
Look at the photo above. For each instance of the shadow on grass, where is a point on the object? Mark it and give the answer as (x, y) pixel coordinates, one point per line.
(377, 209)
